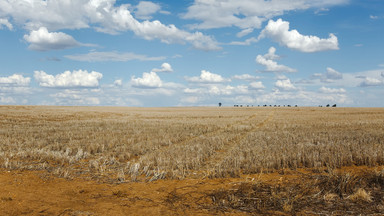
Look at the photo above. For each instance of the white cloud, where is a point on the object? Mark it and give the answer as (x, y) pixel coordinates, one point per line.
(149, 80)
(7, 100)
(15, 80)
(247, 42)
(226, 89)
(190, 100)
(245, 77)
(328, 77)
(267, 60)
(279, 32)
(5, 22)
(302, 98)
(333, 74)
(79, 78)
(118, 82)
(165, 67)
(285, 85)
(112, 56)
(244, 32)
(102, 15)
(75, 97)
(207, 77)
(332, 90)
(122, 20)
(373, 17)
(370, 81)
(42, 40)
(216, 90)
(256, 85)
(321, 11)
(246, 13)
(145, 9)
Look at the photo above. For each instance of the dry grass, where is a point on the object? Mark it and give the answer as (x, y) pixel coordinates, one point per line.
(147, 144)
(337, 193)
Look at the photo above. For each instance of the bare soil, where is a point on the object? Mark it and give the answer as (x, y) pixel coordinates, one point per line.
(287, 192)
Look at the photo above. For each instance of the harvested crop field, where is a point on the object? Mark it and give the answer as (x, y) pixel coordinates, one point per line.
(191, 161)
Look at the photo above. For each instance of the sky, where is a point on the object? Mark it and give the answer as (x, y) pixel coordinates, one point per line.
(192, 52)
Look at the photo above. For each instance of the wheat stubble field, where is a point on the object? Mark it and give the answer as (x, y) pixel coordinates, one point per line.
(191, 161)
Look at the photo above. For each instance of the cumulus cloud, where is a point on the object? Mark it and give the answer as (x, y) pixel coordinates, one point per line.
(149, 80)
(145, 9)
(15, 80)
(267, 60)
(332, 90)
(285, 85)
(370, 81)
(207, 77)
(256, 85)
(165, 67)
(112, 56)
(42, 40)
(246, 14)
(6, 23)
(103, 16)
(279, 32)
(68, 79)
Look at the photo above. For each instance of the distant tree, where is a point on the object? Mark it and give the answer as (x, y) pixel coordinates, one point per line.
(328, 105)
(334, 105)
(219, 104)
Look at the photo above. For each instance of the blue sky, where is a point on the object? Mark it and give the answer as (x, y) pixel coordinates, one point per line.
(192, 53)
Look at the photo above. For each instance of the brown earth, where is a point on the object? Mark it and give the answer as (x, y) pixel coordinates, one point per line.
(38, 193)
(34, 193)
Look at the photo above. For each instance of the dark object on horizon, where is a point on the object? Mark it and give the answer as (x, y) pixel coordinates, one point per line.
(328, 105)
(289, 105)
(295, 105)
(219, 104)
(334, 105)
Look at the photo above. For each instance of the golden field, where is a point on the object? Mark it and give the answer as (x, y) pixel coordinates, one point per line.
(256, 160)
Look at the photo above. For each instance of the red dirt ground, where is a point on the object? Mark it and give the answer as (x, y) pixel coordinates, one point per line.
(32, 193)
(38, 193)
